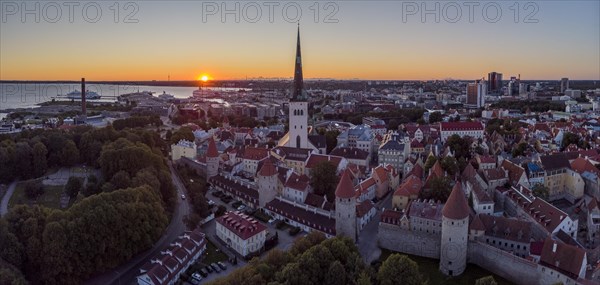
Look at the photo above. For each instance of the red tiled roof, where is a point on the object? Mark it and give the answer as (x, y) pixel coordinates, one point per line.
(381, 173)
(477, 224)
(268, 169)
(298, 182)
(241, 225)
(514, 171)
(255, 153)
(437, 169)
(461, 126)
(456, 207)
(565, 258)
(345, 188)
(417, 171)
(582, 165)
(212, 148)
(545, 214)
(314, 220)
(363, 208)
(315, 159)
(411, 186)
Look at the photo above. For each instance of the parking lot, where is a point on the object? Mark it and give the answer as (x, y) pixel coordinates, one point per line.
(285, 240)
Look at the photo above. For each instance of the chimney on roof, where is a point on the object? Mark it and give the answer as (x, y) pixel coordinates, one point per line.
(554, 247)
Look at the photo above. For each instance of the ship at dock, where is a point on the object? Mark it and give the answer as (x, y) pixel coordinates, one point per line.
(89, 95)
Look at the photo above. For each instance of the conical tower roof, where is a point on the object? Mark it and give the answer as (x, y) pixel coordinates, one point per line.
(212, 148)
(456, 207)
(345, 188)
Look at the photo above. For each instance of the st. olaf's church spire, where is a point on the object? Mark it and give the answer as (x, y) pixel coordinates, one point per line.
(299, 94)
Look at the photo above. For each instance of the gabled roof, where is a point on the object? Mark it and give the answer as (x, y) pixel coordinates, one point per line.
(381, 172)
(268, 169)
(315, 159)
(345, 188)
(514, 171)
(411, 186)
(437, 169)
(298, 182)
(565, 258)
(554, 161)
(582, 165)
(456, 207)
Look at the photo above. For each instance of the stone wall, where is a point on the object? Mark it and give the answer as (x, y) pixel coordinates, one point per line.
(502, 263)
(394, 238)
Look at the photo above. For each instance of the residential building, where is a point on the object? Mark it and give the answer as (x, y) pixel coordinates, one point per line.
(241, 233)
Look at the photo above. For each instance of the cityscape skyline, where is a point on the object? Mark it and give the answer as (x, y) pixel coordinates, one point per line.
(390, 46)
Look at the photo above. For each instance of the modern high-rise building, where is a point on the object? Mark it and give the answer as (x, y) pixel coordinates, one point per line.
(564, 84)
(494, 82)
(476, 93)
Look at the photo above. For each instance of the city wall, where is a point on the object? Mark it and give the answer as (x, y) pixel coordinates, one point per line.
(394, 238)
(501, 263)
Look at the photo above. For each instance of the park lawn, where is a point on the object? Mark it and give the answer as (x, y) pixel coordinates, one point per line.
(50, 198)
(429, 268)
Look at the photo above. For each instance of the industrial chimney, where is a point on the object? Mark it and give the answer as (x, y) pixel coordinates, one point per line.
(83, 108)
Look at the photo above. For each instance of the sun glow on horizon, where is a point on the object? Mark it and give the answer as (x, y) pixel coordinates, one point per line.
(203, 78)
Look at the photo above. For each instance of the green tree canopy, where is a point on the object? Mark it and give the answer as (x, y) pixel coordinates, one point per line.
(399, 269)
(324, 179)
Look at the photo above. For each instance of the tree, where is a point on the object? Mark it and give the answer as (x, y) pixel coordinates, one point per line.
(439, 189)
(121, 180)
(460, 146)
(519, 150)
(184, 133)
(431, 160)
(570, 138)
(331, 139)
(23, 158)
(393, 124)
(39, 162)
(399, 269)
(74, 185)
(435, 117)
(541, 191)
(488, 280)
(324, 179)
(70, 154)
(450, 165)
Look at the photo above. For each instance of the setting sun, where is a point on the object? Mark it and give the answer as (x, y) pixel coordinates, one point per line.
(204, 78)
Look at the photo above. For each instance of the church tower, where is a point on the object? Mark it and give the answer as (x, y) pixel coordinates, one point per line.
(455, 231)
(345, 207)
(212, 159)
(298, 107)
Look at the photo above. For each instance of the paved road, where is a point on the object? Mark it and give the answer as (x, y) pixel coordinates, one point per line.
(6, 198)
(126, 273)
(367, 239)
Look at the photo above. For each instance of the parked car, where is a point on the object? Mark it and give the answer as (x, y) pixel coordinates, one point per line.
(209, 269)
(197, 276)
(271, 221)
(222, 265)
(183, 197)
(215, 267)
(241, 207)
(211, 202)
(203, 272)
(194, 281)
